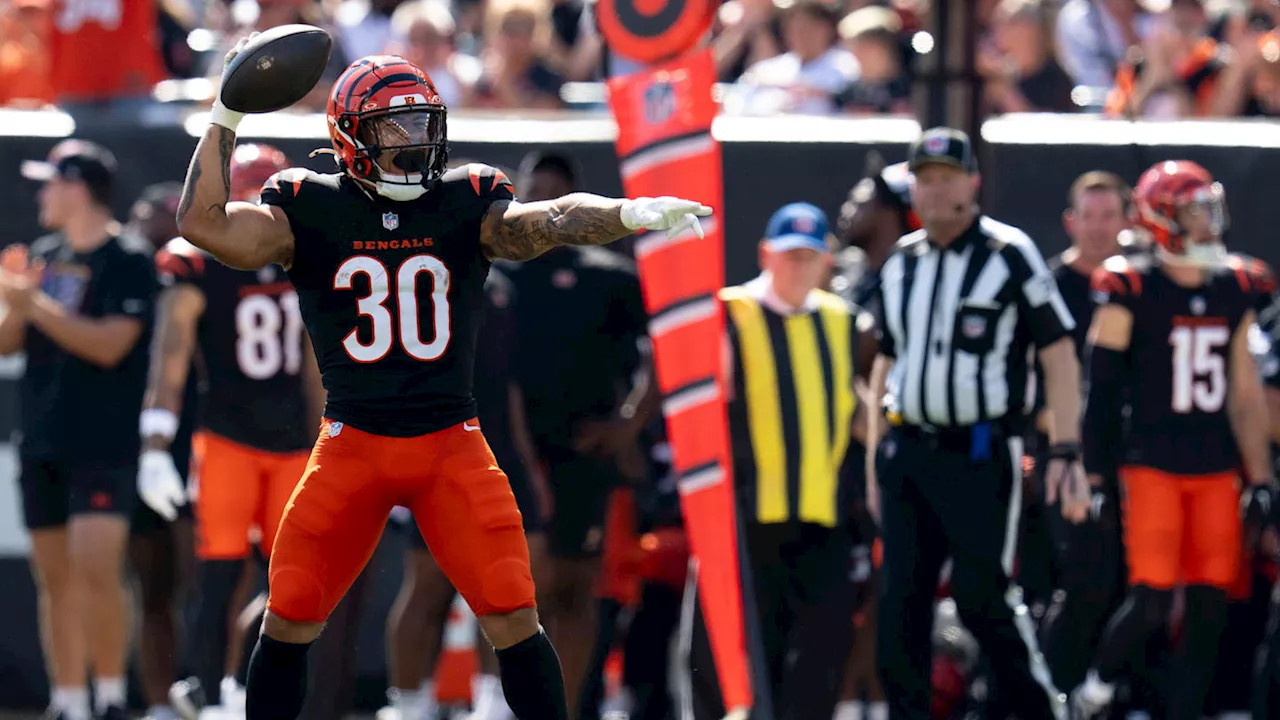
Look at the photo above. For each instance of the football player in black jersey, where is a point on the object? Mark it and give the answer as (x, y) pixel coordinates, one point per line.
(161, 548)
(256, 426)
(1171, 338)
(388, 257)
(1089, 555)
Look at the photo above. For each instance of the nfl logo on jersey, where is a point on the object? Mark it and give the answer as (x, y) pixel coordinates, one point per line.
(390, 220)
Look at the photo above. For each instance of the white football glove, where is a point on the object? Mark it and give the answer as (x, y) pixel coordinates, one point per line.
(220, 114)
(160, 484)
(675, 215)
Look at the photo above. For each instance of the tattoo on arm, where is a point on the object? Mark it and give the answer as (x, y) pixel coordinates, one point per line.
(226, 146)
(522, 231)
(189, 189)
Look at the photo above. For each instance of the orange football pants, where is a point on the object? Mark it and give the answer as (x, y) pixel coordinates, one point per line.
(239, 487)
(460, 499)
(1181, 528)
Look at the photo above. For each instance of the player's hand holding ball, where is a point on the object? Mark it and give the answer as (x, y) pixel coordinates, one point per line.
(675, 215)
(160, 484)
(270, 71)
(221, 114)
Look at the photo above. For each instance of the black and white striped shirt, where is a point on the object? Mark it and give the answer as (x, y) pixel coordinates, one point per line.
(959, 321)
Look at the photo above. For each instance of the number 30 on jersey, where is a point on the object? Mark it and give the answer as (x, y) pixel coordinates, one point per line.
(407, 323)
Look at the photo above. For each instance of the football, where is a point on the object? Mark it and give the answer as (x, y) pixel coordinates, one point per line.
(276, 69)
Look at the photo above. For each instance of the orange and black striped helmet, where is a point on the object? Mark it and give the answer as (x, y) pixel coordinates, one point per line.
(387, 124)
(1168, 187)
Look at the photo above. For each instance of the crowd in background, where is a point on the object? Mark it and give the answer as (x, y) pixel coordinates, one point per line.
(1127, 58)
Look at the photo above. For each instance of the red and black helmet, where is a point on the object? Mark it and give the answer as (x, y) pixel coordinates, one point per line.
(387, 124)
(251, 165)
(1167, 188)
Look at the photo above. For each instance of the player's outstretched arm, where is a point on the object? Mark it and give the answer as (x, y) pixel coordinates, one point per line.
(522, 231)
(241, 235)
(1247, 407)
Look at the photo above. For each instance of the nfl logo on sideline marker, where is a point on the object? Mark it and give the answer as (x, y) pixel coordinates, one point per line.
(659, 102)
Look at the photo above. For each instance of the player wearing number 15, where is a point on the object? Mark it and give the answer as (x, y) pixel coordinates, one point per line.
(389, 257)
(1171, 335)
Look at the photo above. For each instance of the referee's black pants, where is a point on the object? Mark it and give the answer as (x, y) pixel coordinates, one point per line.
(803, 595)
(958, 494)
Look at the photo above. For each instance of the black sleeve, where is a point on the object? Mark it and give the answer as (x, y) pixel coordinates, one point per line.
(283, 190)
(1040, 304)
(130, 288)
(488, 183)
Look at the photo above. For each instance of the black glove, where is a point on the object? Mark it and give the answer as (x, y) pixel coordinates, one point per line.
(1260, 507)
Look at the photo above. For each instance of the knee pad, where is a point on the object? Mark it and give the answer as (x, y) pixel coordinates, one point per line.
(505, 586)
(297, 595)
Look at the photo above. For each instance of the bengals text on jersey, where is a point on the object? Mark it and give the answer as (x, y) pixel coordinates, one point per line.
(392, 294)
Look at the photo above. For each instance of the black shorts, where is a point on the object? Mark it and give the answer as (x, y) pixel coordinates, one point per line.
(580, 488)
(145, 520)
(55, 490)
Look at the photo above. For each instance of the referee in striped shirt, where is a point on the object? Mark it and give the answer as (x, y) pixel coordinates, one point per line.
(961, 302)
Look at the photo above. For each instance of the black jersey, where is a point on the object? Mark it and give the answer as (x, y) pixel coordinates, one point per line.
(392, 293)
(1180, 359)
(1073, 285)
(73, 409)
(250, 338)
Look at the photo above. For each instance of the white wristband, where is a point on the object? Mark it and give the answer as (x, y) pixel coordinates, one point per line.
(220, 114)
(158, 421)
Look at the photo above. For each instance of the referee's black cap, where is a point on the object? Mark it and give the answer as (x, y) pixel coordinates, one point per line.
(943, 146)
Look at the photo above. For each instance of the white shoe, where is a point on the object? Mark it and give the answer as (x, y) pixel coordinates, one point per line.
(388, 713)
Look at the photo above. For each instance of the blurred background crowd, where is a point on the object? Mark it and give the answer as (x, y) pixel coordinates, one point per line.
(1134, 58)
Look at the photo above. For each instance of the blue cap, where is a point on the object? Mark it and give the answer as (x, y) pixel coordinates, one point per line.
(798, 225)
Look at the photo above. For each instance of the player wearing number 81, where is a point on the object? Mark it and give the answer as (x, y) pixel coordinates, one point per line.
(1171, 337)
(258, 419)
(389, 257)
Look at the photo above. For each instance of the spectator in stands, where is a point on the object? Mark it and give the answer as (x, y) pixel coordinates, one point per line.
(873, 35)
(106, 55)
(1250, 83)
(274, 13)
(1094, 36)
(1016, 61)
(175, 20)
(747, 32)
(80, 304)
(424, 33)
(24, 54)
(516, 71)
(364, 26)
(1175, 72)
(813, 71)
